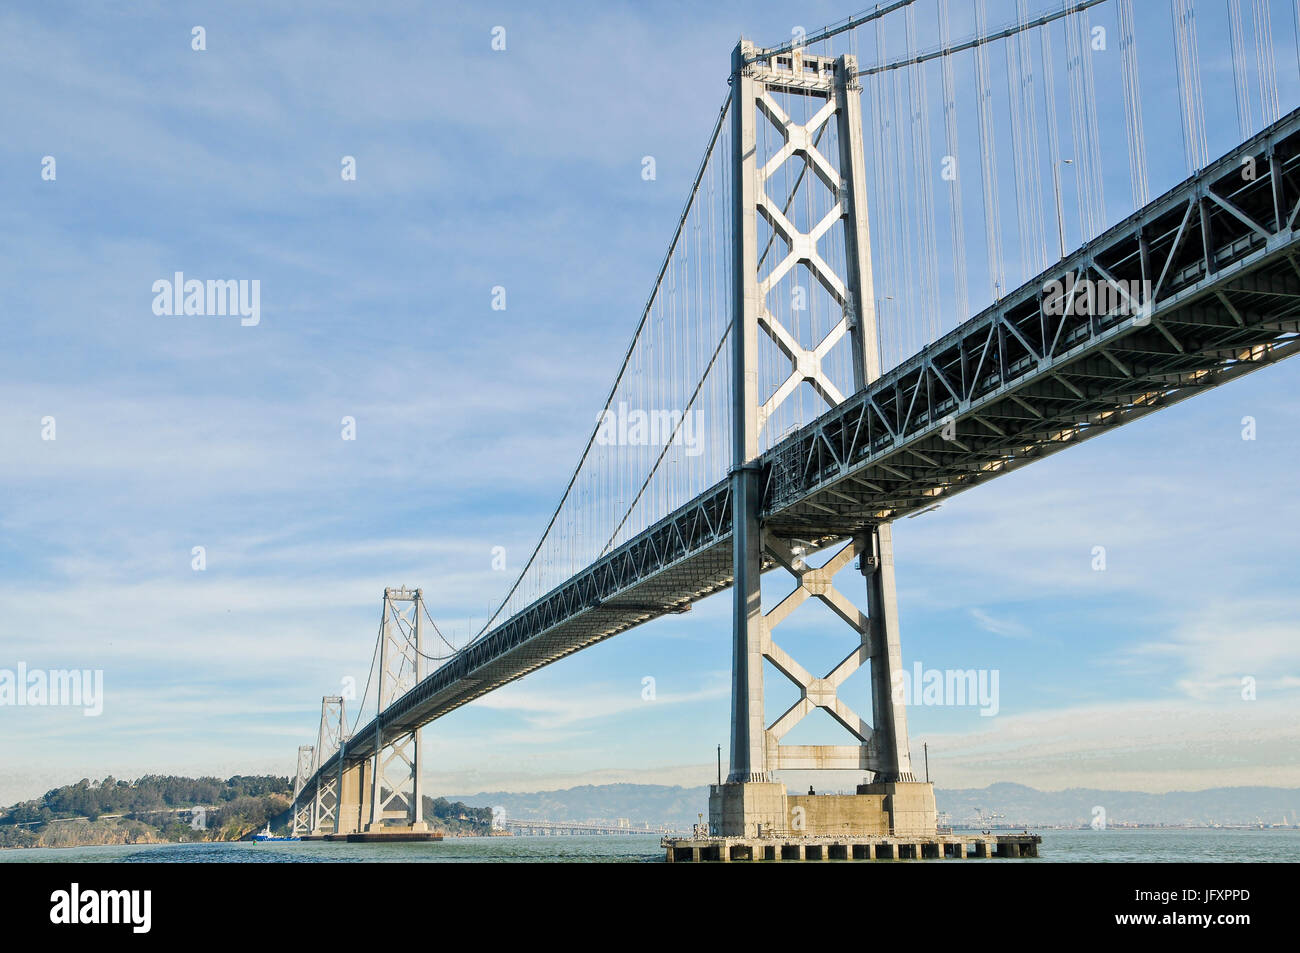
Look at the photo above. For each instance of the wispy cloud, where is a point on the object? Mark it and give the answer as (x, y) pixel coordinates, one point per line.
(1008, 628)
(1220, 647)
(552, 710)
(1149, 746)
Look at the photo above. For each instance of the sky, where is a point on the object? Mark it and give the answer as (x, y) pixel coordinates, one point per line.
(521, 169)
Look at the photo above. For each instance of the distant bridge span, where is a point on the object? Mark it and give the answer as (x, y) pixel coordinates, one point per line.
(547, 828)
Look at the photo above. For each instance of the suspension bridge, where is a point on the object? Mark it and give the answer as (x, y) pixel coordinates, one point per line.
(807, 368)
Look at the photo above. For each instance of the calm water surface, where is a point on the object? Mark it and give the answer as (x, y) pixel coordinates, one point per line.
(1114, 846)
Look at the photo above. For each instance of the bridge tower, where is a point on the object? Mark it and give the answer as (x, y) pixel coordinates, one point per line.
(303, 822)
(330, 738)
(394, 787)
(750, 798)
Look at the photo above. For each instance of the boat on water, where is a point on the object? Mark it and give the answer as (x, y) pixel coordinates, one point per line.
(265, 836)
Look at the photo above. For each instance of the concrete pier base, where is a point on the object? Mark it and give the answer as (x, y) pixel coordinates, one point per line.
(760, 808)
(747, 809)
(779, 848)
(391, 835)
(354, 799)
(908, 804)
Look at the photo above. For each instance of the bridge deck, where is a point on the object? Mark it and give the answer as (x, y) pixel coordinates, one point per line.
(1010, 386)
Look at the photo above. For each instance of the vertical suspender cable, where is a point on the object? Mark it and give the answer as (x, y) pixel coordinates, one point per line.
(1295, 23)
(988, 159)
(961, 297)
(1237, 40)
(919, 99)
(1093, 130)
(906, 298)
(1267, 63)
(1189, 84)
(1076, 46)
(1049, 106)
(1038, 255)
(883, 251)
(1137, 155)
(1019, 163)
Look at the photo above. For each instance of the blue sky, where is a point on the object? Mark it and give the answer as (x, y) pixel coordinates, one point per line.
(521, 168)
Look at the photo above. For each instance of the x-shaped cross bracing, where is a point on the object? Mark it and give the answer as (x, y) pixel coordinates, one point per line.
(326, 802)
(302, 817)
(817, 692)
(805, 365)
(396, 752)
(401, 660)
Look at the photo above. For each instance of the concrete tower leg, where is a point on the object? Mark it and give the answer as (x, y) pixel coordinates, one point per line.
(353, 798)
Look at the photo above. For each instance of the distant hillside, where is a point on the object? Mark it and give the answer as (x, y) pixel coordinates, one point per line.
(1019, 805)
(453, 817)
(161, 809)
(151, 809)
